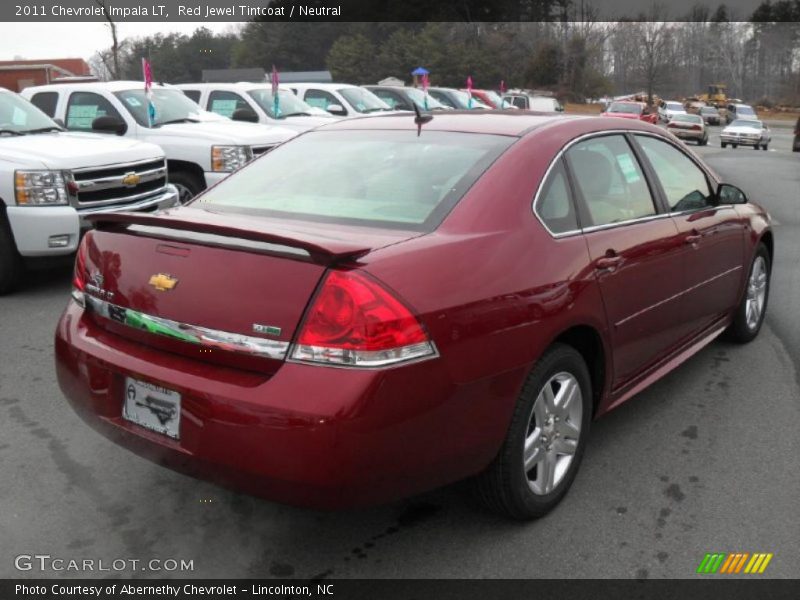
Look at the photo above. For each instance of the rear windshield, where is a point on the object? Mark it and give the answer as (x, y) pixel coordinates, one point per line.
(392, 179)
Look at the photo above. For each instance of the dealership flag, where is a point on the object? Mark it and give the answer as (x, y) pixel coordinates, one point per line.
(469, 91)
(502, 87)
(276, 103)
(148, 91)
(425, 84)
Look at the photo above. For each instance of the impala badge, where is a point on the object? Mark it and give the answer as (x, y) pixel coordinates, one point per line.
(163, 282)
(266, 329)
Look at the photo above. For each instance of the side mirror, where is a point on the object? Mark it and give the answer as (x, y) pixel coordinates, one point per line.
(247, 115)
(730, 194)
(336, 109)
(109, 124)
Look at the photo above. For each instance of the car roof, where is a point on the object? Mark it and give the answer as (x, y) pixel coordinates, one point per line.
(497, 122)
(322, 86)
(112, 86)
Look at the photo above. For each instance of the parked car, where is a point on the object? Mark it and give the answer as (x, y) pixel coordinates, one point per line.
(630, 110)
(796, 143)
(340, 99)
(417, 336)
(739, 112)
(746, 132)
(457, 99)
(710, 115)
(530, 102)
(668, 109)
(404, 98)
(254, 103)
(689, 127)
(202, 148)
(51, 180)
(491, 99)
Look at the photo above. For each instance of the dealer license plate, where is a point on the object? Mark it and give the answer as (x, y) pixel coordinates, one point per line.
(153, 407)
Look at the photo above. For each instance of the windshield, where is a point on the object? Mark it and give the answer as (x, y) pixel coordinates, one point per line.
(747, 123)
(497, 100)
(363, 100)
(708, 111)
(171, 106)
(17, 115)
(462, 100)
(687, 119)
(385, 178)
(675, 106)
(624, 107)
(744, 110)
(418, 97)
(289, 105)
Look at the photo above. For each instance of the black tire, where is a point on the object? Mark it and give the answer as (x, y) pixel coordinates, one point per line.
(740, 331)
(188, 184)
(504, 486)
(756, 147)
(735, 146)
(723, 144)
(765, 147)
(10, 261)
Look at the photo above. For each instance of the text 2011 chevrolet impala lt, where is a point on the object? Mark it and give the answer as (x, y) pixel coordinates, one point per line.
(370, 311)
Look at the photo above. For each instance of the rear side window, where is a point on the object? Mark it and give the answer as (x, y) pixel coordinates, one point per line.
(610, 180)
(554, 206)
(193, 95)
(683, 182)
(85, 107)
(382, 178)
(46, 102)
(225, 103)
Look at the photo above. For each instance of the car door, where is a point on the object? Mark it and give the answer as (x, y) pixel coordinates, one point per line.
(635, 249)
(713, 234)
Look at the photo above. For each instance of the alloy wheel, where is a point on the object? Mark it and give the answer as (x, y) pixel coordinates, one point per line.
(553, 433)
(756, 293)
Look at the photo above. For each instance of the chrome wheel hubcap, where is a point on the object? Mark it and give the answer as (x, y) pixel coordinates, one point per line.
(553, 432)
(756, 293)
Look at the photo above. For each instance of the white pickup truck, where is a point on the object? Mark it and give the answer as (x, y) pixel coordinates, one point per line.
(201, 147)
(50, 180)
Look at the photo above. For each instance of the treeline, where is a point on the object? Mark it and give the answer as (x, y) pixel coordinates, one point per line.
(575, 56)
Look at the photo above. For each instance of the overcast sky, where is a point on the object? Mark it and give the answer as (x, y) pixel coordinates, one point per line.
(80, 40)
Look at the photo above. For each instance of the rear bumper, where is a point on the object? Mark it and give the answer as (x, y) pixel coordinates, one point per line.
(306, 435)
(731, 139)
(686, 134)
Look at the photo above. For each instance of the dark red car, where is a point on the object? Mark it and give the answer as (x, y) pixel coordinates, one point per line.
(631, 110)
(383, 306)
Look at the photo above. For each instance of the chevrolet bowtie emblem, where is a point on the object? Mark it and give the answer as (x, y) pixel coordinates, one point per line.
(131, 179)
(163, 282)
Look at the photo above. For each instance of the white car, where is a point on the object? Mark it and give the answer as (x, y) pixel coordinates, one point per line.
(50, 180)
(255, 103)
(202, 148)
(340, 99)
(746, 132)
(668, 109)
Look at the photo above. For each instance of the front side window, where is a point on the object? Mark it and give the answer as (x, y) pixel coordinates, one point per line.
(320, 98)
(382, 178)
(683, 182)
(84, 107)
(363, 101)
(289, 105)
(225, 103)
(442, 97)
(555, 206)
(610, 180)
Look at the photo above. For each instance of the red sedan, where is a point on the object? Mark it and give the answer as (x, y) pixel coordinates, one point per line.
(386, 305)
(631, 110)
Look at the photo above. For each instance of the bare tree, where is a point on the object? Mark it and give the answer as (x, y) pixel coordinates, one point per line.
(115, 46)
(655, 41)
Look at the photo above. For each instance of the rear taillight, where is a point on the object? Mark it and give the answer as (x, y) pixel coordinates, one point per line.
(79, 274)
(355, 321)
(696, 127)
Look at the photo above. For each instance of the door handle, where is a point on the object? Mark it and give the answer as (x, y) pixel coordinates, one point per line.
(692, 238)
(608, 262)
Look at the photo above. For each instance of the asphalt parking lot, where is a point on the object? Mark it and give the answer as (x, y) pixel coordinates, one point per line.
(704, 461)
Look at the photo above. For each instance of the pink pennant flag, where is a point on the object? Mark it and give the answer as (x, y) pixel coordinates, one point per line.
(275, 80)
(147, 72)
(502, 86)
(469, 84)
(425, 82)
(148, 75)
(276, 102)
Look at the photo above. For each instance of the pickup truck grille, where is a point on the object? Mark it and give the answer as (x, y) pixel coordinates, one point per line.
(120, 184)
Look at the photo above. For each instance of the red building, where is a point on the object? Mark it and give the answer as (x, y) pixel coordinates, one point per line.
(16, 75)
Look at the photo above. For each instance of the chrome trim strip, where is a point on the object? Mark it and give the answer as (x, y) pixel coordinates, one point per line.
(110, 166)
(678, 295)
(655, 217)
(125, 204)
(115, 181)
(192, 334)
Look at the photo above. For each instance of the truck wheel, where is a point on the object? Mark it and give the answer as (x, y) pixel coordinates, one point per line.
(723, 144)
(764, 147)
(188, 184)
(10, 260)
(735, 146)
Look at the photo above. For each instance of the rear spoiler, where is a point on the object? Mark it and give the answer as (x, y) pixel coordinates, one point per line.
(319, 247)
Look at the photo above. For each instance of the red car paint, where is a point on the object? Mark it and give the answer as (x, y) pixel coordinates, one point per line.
(641, 115)
(491, 287)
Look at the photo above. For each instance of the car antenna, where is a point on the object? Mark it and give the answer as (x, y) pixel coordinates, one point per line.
(420, 119)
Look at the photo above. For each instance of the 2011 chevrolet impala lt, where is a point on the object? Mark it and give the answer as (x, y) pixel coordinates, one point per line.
(386, 305)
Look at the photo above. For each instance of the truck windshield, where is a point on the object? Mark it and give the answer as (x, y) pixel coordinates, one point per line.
(18, 116)
(171, 106)
(363, 101)
(289, 105)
